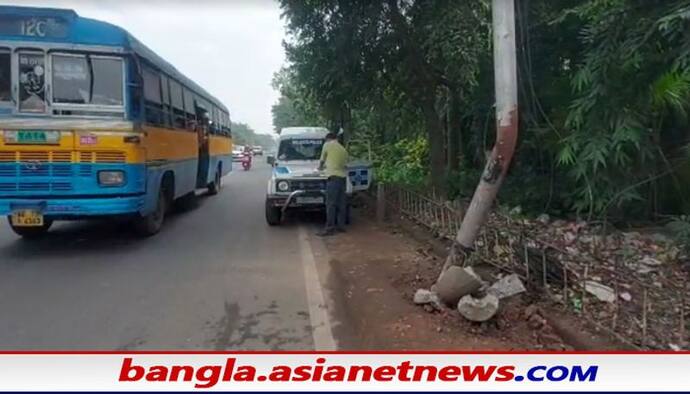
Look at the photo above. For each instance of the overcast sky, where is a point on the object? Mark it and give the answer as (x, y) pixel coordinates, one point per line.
(231, 48)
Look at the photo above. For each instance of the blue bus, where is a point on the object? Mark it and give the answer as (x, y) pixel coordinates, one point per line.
(95, 124)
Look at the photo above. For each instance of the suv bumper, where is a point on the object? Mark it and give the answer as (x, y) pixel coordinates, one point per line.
(299, 199)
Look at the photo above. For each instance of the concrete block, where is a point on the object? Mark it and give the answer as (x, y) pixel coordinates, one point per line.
(457, 282)
(507, 286)
(478, 309)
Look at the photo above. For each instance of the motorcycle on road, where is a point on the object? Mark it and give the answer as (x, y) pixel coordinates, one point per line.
(247, 161)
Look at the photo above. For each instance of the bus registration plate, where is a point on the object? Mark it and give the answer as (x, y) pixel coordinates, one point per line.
(27, 218)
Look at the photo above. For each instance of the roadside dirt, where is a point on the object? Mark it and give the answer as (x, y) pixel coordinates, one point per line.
(375, 271)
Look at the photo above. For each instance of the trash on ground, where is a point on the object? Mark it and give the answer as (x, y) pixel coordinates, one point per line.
(601, 292)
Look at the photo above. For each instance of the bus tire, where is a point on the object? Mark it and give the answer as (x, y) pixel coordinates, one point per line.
(31, 232)
(215, 186)
(186, 203)
(274, 215)
(152, 223)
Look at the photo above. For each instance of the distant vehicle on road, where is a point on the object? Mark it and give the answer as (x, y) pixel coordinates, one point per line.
(95, 124)
(258, 150)
(238, 153)
(247, 161)
(296, 183)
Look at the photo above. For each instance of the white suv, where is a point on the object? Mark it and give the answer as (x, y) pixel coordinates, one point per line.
(296, 183)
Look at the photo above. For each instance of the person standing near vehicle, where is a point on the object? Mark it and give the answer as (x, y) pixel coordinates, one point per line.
(333, 161)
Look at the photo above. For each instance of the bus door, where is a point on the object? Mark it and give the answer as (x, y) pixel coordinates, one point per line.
(204, 149)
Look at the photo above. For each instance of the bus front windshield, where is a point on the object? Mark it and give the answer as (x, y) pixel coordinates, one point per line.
(300, 149)
(87, 79)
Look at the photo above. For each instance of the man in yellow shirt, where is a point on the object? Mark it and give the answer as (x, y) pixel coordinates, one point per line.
(333, 162)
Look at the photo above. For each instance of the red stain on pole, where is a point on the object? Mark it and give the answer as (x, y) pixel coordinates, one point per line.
(506, 140)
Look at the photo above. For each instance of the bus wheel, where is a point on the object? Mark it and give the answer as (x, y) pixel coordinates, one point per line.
(152, 223)
(31, 232)
(186, 202)
(273, 214)
(215, 186)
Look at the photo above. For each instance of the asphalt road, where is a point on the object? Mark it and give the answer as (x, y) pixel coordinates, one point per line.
(216, 277)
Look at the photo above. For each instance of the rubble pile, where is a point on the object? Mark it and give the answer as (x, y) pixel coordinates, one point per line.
(631, 284)
(466, 291)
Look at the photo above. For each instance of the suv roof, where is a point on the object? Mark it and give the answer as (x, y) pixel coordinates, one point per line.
(303, 132)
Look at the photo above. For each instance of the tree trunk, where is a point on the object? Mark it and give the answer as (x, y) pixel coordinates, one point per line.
(466, 150)
(454, 132)
(345, 122)
(434, 128)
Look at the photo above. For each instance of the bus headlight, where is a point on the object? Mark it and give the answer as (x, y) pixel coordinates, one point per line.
(111, 178)
(283, 186)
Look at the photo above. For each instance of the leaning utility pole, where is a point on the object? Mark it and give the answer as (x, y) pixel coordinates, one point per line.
(505, 71)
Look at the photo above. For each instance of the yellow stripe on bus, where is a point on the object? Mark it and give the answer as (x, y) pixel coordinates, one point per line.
(169, 144)
(78, 147)
(155, 144)
(219, 145)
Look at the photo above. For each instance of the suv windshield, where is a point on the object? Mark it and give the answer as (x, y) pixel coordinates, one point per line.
(300, 149)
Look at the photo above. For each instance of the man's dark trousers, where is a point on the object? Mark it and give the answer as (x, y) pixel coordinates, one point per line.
(336, 204)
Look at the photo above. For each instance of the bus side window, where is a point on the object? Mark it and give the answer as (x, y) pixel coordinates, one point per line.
(152, 97)
(223, 124)
(226, 125)
(177, 103)
(5, 76)
(189, 109)
(216, 121)
(32, 82)
(167, 113)
(135, 88)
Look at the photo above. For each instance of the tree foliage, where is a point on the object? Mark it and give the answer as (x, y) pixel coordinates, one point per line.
(296, 105)
(243, 134)
(604, 87)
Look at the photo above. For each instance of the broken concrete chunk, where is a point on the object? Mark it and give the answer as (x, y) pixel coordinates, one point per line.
(650, 261)
(644, 269)
(478, 309)
(601, 292)
(507, 286)
(426, 297)
(457, 282)
(543, 218)
(569, 238)
(423, 296)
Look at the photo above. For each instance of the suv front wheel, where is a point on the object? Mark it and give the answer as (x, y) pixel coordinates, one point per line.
(274, 215)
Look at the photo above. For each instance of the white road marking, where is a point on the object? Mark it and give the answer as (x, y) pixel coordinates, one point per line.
(318, 313)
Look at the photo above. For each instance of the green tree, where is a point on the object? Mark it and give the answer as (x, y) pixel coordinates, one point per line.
(603, 93)
(295, 107)
(363, 55)
(243, 134)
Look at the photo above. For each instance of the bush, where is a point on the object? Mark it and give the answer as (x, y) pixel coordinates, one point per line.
(405, 162)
